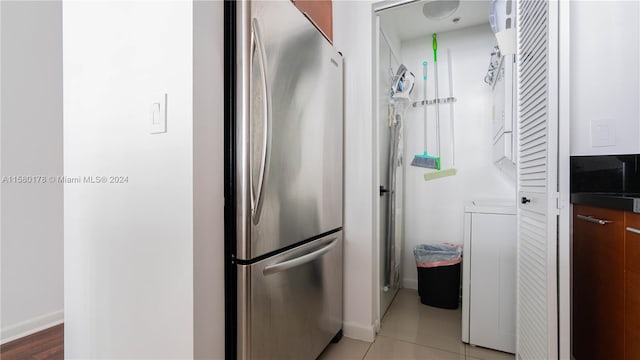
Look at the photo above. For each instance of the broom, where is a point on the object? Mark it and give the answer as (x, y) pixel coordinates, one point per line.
(425, 160)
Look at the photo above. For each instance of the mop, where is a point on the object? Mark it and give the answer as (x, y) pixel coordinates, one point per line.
(425, 160)
(450, 171)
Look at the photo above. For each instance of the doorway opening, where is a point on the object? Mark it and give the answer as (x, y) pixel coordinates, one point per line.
(446, 168)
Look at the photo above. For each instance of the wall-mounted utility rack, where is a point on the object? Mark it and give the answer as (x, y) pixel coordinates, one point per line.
(446, 100)
(495, 64)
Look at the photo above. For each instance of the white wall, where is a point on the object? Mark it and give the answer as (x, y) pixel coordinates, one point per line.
(208, 179)
(137, 253)
(605, 77)
(31, 138)
(435, 209)
(353, 36)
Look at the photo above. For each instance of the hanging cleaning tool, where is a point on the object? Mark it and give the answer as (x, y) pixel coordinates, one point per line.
(451, 124)
(449, 171)
(435, 79)
(424, 160)
(424, 77)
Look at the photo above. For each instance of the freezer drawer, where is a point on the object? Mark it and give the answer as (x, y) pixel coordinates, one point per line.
(290, 305)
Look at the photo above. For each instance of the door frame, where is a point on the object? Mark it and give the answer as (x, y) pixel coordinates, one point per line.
(564, 169)
(564, 152)
(377, 237)
(376, 7)
(375, 52)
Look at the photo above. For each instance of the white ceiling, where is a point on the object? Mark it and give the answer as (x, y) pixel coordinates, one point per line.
(408, 22)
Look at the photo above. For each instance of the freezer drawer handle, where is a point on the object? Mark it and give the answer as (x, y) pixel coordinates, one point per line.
(288, 264)
(591, 219)
(633, 230)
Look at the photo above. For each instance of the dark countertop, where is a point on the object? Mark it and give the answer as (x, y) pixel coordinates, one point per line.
(615, 201)
(606, 181)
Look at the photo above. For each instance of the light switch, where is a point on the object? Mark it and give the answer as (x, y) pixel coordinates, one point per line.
(603, 133)
(155, 114)
(158, 115)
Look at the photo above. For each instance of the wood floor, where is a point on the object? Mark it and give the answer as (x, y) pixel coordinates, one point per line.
(46, 344)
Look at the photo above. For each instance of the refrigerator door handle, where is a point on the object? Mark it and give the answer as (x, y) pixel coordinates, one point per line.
(256, 195)
(288, 264)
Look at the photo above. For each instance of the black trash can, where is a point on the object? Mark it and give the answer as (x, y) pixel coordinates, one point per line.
(439, 274)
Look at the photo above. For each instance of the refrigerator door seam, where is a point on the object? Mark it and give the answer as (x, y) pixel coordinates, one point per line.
(285, 249)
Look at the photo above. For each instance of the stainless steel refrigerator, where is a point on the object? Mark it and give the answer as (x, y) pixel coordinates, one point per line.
(283, 183)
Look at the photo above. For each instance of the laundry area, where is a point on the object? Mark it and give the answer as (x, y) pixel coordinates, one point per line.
(445, 105)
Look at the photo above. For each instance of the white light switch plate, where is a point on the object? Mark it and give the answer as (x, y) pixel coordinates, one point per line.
(603, 133)
(158, 115)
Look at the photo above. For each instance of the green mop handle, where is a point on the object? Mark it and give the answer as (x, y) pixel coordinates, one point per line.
(435, 48)
(435, 78)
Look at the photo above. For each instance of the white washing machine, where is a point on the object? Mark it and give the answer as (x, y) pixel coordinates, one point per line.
(489, 275)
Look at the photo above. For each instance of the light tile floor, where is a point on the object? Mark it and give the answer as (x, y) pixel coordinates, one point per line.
(410, 331)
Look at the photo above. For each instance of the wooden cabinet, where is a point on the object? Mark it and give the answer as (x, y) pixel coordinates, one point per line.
(632, 243)
(598, 283)
(632, 286)
(606, 284)
(321, 14)
(632, 316)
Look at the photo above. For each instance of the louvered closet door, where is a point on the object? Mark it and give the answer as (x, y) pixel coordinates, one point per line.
(537, 179)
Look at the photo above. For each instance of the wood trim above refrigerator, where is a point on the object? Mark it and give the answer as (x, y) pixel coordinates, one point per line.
(320, 12)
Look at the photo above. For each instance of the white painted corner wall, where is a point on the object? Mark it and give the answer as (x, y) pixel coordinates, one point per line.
(352, 36)
(143, 269)
(605, 77)
(208, 179)
(31, 145)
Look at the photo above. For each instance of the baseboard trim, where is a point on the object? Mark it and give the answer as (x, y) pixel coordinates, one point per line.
(410, 283)
(359, 332)
(31, 326)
